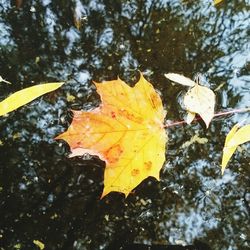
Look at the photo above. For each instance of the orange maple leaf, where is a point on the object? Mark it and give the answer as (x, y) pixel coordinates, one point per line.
(126, 131)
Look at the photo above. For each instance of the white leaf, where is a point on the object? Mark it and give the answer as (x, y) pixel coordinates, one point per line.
(180, 79)
(200, 100)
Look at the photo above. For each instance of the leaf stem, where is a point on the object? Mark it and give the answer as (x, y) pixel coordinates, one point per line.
(229, 112)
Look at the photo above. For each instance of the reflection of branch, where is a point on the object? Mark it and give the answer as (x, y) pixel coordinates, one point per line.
(234, 111)
(147, 17)
(246, 202)
(220, 26)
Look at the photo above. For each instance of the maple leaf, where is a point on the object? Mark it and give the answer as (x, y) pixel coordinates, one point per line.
(126, 131)
(235, 137)
(199, 99)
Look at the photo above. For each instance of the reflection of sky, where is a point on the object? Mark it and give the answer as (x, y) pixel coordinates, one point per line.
(192, 222)
(5, 38)
(189, 223)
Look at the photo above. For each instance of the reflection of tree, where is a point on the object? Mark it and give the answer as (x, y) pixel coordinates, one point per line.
(56, 196)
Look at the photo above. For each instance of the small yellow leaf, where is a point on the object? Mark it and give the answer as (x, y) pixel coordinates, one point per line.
(217, 2)
(16, 135)
(190, 117)
(201, 100)
(17, 246)
(39, 244)
(77, 21)
(194, 139)
(25, 96)
(234, 138)
(70, 98)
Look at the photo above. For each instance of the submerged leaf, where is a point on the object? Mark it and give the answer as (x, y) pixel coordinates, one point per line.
(200, 100)
(194, 139)
(25, 96)
(126, 132)
(39, 244)
(234, 138)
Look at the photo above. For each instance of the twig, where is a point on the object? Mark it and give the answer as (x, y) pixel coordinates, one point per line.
(234, 111)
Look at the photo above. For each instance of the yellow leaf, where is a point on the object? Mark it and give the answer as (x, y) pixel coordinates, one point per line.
(70, 98)
(16, 135)
(126, 132)
(201, 100)
(234, 138)
(194, 139)
(180, 79)
(241, 136)
(17, 246)
(77, 21)
(217, 2)
(39, 244)
(25, 96)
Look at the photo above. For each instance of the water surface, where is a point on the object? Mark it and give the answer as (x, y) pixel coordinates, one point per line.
(48, 197)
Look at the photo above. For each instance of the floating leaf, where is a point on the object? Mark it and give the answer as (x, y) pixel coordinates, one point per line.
(39, 244)
(180, 79)
(25, 96)
(17, 246)
(126, 132)
(234, 138)
(200, 100)
(217, 2)
(240, 137)
(70, 98)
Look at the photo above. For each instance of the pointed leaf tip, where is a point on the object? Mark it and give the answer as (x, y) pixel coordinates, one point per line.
(234, 138)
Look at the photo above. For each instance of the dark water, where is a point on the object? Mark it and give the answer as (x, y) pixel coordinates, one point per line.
(47, 197)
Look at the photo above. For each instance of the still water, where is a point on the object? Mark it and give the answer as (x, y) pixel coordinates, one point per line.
(53, 199)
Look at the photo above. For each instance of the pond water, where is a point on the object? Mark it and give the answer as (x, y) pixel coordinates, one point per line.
(48, 197)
